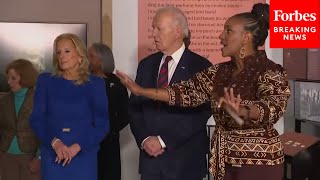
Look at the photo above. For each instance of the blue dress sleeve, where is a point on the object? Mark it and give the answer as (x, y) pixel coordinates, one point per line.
(99, 108)
(39, 113)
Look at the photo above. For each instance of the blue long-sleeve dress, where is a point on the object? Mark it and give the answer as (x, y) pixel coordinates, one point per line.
(74, 114)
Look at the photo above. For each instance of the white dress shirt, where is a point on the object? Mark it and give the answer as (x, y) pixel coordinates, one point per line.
(172, 65)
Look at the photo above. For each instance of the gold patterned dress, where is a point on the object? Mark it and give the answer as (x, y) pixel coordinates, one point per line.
(261, 83)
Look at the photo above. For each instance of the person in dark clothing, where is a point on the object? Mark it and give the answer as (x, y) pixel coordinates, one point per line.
(102, 64)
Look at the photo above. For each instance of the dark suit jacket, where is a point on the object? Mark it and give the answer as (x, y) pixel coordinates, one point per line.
(183, 130)
(118, 103)
(109, 162)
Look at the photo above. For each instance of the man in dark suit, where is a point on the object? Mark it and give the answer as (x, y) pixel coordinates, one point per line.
(173, 140)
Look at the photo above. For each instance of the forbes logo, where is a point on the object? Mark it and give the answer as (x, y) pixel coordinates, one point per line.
(279, 15)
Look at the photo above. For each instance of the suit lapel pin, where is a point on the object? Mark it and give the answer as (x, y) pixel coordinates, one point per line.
(111, 84)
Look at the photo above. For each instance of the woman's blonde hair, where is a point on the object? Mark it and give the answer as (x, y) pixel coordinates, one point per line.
(83, 69)
(26, 70)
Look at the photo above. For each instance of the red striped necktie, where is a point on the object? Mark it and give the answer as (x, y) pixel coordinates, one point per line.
(163, 74)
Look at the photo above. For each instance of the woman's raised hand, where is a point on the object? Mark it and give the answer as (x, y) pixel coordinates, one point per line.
(231, 104)
(231, 100)
(129, 83)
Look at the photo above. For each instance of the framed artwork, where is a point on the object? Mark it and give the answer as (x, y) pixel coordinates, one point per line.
(307, 100)
(32, 41)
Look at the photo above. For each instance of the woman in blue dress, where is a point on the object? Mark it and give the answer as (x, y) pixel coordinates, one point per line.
(70, 114)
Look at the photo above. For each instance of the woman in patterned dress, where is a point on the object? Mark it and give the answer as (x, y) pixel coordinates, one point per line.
(252, 87)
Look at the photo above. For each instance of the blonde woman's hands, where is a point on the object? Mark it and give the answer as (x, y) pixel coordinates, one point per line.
(65, 154)
(61, 150)
(74, 149)
(129, 83)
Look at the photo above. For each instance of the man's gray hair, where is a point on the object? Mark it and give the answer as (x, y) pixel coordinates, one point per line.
(179, 16)
(105, 54)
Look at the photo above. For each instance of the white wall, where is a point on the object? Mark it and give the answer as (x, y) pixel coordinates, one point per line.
(125, 44)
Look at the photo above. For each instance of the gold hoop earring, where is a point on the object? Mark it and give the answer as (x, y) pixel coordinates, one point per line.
(242, 53)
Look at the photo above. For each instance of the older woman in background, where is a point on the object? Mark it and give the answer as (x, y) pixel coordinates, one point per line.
(102, 64)
(18, 144)
(70, 115)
